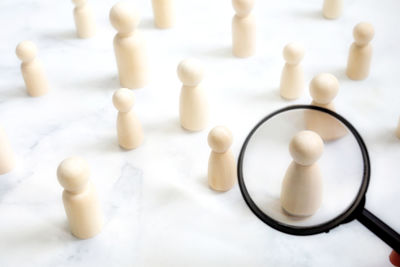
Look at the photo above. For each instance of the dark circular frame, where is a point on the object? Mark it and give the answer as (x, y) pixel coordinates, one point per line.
(344, 217)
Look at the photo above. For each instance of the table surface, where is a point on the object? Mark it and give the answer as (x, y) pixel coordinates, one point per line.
(158, 207)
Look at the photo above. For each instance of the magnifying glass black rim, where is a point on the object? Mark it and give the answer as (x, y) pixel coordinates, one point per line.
(320, 228)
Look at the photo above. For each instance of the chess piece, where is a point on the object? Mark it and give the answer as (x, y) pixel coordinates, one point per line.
(323, 89)
(193, 109)
(292, 78)
(359, 61)
(7, 158)
(80, 198)
(84, 20)
(129, 128)
(221, 164)
(332, 9)
(302, 186)
(398, 130)
(164, 13)
(129, 46)
(243, 29)
(32, 69)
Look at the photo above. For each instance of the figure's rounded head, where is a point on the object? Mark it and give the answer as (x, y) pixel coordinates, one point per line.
(243, 7)
(363, 33)
(73, 174)
(124, 17)
(26, 51)
(79, 2)
(293, 53)
(324, 88)
(123, 99)
(220, 139)
(306, 147)
(190, 72)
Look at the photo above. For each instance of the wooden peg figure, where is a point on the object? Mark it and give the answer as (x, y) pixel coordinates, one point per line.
(164, 13)
(398, 130)
(323, 89)
(129, 46)
(332, 9)
(302, 186)
(221, 164)
(7, 158)
(193, 107)
(80, 198)
(243, 29)
(292, 77)
(129, 128)
(359, 61)
(84, 19)
(32, 69)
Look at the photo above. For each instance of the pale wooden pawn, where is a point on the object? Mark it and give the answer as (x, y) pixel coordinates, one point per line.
(7, 157)
(323, 89)
(32, 69)
(398, 129)
(243, 29)
(80, 199)
(193, 106)
(332, 9)
(221, 164)
(292, 77)
(164, 13)
(129, 46)
(84, 19)
(302, 186)
(360, 55)
(129, 128)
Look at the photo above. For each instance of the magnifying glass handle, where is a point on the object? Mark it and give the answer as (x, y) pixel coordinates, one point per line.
(380, 229)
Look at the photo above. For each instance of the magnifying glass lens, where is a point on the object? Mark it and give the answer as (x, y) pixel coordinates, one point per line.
(319, 191)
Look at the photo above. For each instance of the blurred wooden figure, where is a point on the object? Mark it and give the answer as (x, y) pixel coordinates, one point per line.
(323, 89)
(84, 19)
(7, 157)
(80, 198)
(292, 77)
(302, 186)
(243, 29)
(221, 164)
(32, 69)
(332, 9)
(129, 128)
(164, 13)
(129, 46)
(360, 55)
(193, 106)
(398, 130)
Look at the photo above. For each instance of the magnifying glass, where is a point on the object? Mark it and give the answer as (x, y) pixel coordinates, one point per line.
(282, 191)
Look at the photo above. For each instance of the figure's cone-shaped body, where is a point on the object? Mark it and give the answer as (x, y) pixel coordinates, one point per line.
(332, 9)
(84, 19)
(398, 130)
(7, 157)
(164, 13)
(302, 186)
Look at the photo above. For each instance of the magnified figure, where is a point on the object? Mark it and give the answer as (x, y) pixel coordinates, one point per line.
(302, 184)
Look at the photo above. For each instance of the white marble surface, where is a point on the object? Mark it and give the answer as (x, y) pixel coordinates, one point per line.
(159, 210)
